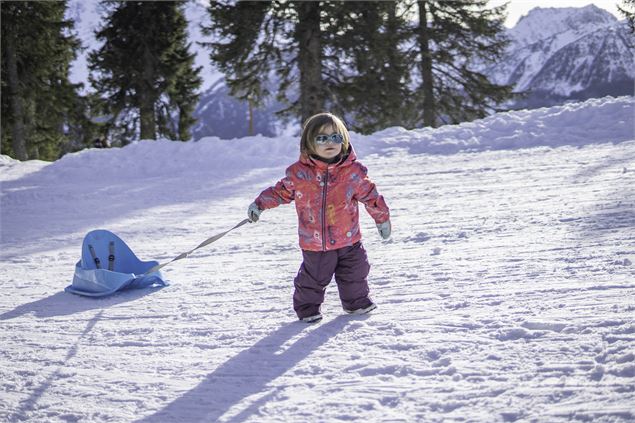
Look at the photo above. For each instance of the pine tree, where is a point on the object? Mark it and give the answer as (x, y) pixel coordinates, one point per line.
(244, 56)
(260, 39)
(182, 92)
(361, 59)
(627, 9)
(144, 70)
(454, 37)
(309, 58)
(374, 92)
(38, 101)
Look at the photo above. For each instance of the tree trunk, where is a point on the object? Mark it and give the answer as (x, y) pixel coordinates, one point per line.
(146, 101)
(146, 117)
(426, 66)
(183, 129)
(251, 116)
(17, 130)
(309, 59)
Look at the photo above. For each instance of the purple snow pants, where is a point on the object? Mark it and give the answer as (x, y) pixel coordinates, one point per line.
(350, 266)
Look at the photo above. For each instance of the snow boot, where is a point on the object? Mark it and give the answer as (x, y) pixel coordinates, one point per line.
(312, 319)
(363, 310)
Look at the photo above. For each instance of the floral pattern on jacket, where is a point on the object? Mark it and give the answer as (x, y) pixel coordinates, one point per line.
(326, 198)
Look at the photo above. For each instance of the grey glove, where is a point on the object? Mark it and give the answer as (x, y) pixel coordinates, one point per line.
(384, 229)
(253, 212)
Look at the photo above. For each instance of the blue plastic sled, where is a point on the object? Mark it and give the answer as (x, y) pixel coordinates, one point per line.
(108, 265)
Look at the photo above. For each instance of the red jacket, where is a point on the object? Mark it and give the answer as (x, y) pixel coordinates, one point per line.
(328, 217)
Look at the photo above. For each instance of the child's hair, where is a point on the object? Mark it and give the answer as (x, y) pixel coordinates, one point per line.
(312, 128)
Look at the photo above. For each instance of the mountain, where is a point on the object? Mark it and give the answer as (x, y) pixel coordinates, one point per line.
(219, 114)
(558, 54)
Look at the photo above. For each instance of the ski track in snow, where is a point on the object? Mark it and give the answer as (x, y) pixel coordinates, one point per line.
(506, 294)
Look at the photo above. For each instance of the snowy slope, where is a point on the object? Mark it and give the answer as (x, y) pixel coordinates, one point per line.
(505, 294)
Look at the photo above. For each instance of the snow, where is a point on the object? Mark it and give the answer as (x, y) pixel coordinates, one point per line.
(565, 50)
(587, 43)
(505, 294)
(543, 23)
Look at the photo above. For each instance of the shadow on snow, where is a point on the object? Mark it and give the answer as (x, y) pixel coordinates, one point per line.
(248, 373)
(63, 304)
(29, 403)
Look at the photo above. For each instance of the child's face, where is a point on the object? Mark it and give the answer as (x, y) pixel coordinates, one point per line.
(328, 150)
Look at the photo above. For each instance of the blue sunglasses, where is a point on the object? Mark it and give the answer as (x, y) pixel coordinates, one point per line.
(333, 138)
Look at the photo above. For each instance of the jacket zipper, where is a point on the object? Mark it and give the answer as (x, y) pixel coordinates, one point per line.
(326, 180)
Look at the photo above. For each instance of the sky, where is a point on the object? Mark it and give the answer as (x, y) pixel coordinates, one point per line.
(518, 8)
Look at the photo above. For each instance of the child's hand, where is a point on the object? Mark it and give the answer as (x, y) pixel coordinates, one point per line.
(384, 229)
(253, 212)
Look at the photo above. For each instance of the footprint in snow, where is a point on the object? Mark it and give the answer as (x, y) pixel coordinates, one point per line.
(419, 237)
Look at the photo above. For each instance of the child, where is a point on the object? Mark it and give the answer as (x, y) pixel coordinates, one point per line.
(326, 184)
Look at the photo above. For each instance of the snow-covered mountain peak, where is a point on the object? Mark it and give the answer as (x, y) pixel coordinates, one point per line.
(542, 23)
(557, 53)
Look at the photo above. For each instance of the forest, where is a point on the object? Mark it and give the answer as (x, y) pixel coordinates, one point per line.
(376, 64)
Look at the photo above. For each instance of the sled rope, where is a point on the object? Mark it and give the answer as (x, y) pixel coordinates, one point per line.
(201, 245)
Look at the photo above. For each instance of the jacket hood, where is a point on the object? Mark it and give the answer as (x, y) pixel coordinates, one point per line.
(349, 158)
